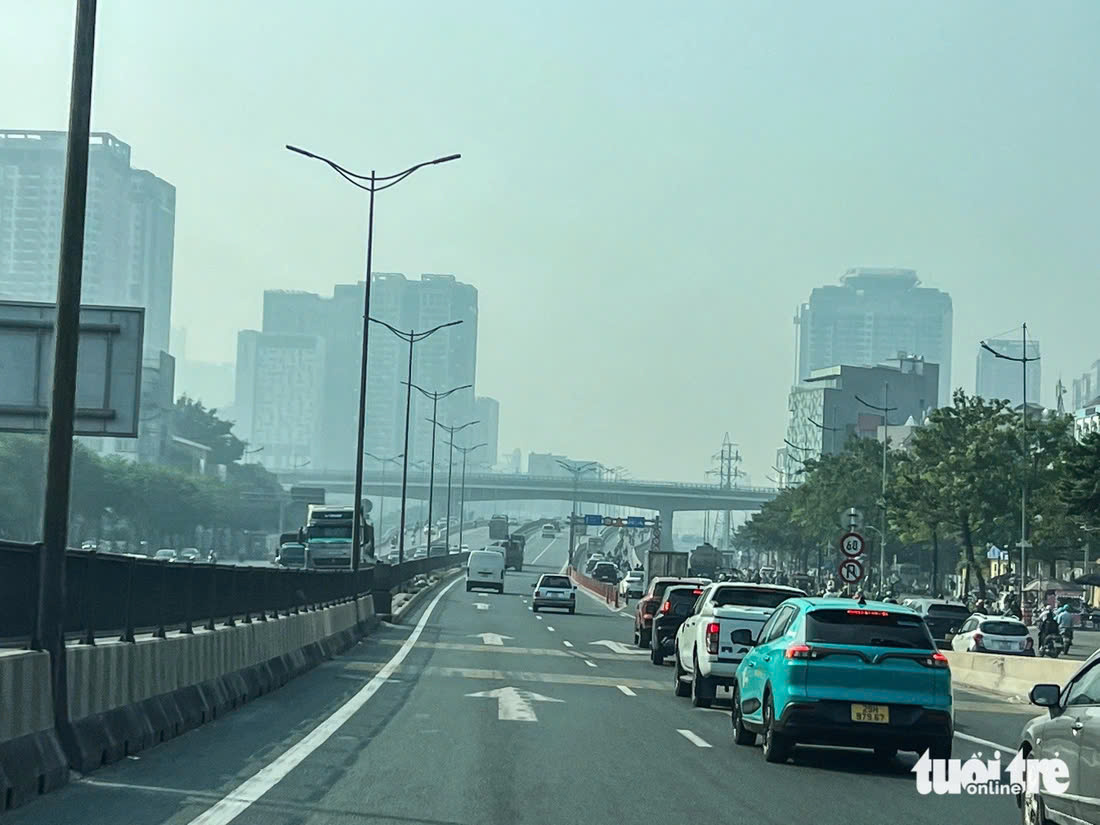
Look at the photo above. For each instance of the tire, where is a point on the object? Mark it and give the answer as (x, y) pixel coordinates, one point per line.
(1032, 809)
(885, 753)
(777, 748)
(656, 656)
(678, 686)
(644, 637)
(941, 748)
(572, 610)
(702, 688)
(637, 637)
(741, 734)
(534, 609)
(467, 587)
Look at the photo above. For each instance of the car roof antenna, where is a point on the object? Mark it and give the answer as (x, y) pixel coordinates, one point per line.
(862, 600)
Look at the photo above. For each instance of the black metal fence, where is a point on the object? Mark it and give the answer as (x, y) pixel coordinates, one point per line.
(108, 594)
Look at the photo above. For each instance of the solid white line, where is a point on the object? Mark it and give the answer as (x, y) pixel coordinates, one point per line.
(550, 628)
(986, 742)
(240, 798)
(691, 737)
(626, 690)
(567, 644)
(547, 547)
(590, 663)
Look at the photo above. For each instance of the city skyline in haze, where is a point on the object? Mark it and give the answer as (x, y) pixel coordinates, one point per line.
(639, 212)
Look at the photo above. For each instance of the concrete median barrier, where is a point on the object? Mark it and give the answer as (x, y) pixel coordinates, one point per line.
(32, 760)
(1007, 675)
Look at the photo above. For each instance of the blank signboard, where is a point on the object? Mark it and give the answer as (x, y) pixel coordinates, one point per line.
(108, 382)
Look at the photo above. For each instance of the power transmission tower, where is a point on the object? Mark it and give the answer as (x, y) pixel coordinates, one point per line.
(728, 471)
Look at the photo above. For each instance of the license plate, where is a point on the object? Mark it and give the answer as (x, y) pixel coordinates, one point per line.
(877, 714)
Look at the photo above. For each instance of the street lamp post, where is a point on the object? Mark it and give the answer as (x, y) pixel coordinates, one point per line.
(382, 498)
(462, 496)
(885, 409)
(411, 337)
(435, 396)
(1023, 361)
(372, 183)
(574, 470)
(450, 467)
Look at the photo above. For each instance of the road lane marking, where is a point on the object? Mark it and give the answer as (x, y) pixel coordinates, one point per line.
(528, 651)
(513, 704)
(539, 618)
(691, 737)
(491, 674)
(481, 605)
(550, 628)
(567, 643)
(986, 742)
(240, 798)
(490, 638)
(626, 690)
(590, 663)
(619, 647)
(547, 547)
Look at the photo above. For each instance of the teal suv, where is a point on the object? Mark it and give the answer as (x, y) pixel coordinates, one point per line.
(841, 672)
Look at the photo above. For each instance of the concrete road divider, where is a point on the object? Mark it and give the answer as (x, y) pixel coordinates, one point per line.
(32, 760)
(1007, 675)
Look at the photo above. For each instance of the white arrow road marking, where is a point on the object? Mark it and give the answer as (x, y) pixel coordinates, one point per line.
(567, 644)
(626, 690)
(590, 663)
(514, 705)
(539, 618)
(481, 605)
(490, 638)
(691, 737)
(550, 628)
(619, 647)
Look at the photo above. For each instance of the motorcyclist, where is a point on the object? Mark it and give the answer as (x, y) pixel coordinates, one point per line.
(1064, 618)
(1047, 625)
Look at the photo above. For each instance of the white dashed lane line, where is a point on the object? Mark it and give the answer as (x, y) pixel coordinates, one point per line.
(695, 740)
(550, 628)
(590, 663)
(567, 643)
(626, 690)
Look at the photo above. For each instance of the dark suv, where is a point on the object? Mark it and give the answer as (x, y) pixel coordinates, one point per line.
(648, 604)
(943, 618)
(677, 605)
(606, 571)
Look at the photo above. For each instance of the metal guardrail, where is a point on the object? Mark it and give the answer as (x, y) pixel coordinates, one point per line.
(107, 593)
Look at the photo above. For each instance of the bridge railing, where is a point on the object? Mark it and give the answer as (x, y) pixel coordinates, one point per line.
(108, 594)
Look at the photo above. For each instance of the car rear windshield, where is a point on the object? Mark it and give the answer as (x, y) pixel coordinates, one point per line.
(750, 597)
(861, 626)
(291, 553)
(555, 581)
(681, 600)
(1004, 628)
(944, 611)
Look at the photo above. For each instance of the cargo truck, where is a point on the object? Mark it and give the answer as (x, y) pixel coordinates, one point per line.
(665, 563)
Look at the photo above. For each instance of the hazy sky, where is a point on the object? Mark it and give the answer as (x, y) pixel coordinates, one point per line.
(647, 190)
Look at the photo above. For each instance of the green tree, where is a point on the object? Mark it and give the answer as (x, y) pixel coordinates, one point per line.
(1078, 486)
(196, 423)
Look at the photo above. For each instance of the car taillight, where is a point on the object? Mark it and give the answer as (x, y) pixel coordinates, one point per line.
(937, 660)
(538, 594)
(712, 638)
(977, 637)
(667, 606)
(800, 651)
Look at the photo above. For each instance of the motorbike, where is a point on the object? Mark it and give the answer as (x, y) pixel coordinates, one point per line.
(1050, 646)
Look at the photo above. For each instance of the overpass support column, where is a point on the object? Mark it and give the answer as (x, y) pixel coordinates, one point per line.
(666, 528)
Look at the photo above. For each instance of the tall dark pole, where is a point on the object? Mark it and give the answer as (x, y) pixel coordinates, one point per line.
(50, 625)
(450, 471)
(405, 461)
(462, 505)
(360, 434)
(885, 409)
(431, 472)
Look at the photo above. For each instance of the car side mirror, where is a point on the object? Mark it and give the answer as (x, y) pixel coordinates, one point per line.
(741, 636)
(1046, 696)
(533, 585)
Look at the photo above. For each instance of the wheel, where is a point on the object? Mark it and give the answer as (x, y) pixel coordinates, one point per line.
(519, 568)
(534, 609)
(741, 734)
(656, 656)
(572, 610)
(638, 640)
(941, 748)
(776, 746)
(678, 686)
(467, 587)
(702, 688)
(1032, 809)
(885, 753)
(645, 637)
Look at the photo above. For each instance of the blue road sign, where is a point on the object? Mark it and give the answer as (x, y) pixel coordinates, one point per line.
(635, 521)
(596, 520)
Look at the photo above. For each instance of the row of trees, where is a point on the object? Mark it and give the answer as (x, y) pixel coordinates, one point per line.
(953, 492)
(114, 498)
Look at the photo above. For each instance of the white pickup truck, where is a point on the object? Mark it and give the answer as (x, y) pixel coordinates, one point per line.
(706, 655)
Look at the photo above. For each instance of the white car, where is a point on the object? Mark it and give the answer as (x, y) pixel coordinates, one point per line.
(548, 531)
(705, 655)
(485, 569)
(633, 585)
(994, 634)
(554, 590)
(165, 554)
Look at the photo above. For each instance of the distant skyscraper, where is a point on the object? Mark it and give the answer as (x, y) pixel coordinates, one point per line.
(128, 236)
(487, 412)
(445, 360)
(1000, 378)
(870, 317)
(1086, 389)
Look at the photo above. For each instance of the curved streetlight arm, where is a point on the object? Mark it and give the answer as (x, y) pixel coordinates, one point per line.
(1023, 360)
(457, 428)
(804, 449)
(416, 336)
(352, 177)
(437, 396)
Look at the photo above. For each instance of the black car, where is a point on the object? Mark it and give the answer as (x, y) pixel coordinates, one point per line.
(943, 618)
(606, 571)
(677, 605)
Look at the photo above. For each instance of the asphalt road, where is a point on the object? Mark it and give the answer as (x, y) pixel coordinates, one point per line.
(550, 718)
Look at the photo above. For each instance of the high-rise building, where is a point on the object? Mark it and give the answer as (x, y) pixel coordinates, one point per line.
(279, 400)
(487, 412)
(446, 359)
(129, 231)
(871, 316)
(825, 410)
(1001, 378)
(1086, 389)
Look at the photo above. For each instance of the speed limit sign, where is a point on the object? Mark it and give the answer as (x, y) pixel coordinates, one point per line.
(850, 571)
(851, 544)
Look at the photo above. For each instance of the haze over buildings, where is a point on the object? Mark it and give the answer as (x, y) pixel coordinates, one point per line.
(1002, 378)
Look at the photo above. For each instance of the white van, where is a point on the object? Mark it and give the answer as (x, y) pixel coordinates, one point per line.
(485, 568)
